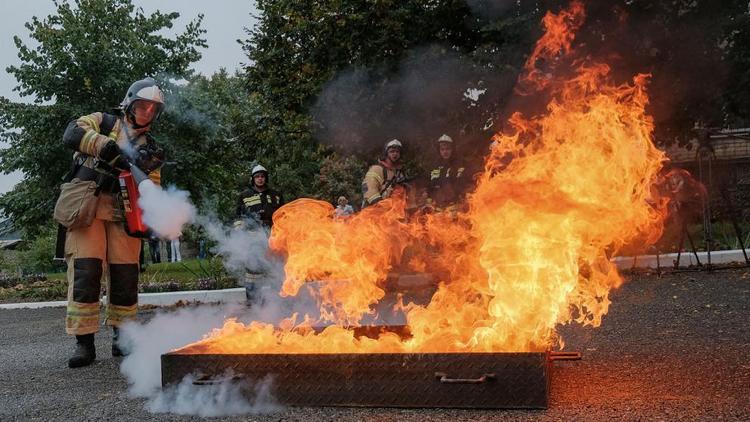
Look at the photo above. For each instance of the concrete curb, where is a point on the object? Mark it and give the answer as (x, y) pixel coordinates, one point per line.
(236, 295)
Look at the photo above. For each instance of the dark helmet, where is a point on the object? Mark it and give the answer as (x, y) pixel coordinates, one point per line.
(143, 90)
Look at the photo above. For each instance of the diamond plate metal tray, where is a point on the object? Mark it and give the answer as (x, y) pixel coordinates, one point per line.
(449, 380)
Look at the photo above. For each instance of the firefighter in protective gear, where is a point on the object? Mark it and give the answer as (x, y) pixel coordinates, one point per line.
(381, 179)
(259, 202)
(448, 182)
(101, 142)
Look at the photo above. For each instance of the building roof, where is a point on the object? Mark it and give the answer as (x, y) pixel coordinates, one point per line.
(10, 244)
(727, 145)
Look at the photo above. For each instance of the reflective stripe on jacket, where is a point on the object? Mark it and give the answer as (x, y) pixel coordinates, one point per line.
(259, 205)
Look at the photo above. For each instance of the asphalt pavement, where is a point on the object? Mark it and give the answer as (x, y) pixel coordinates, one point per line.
(673, 347)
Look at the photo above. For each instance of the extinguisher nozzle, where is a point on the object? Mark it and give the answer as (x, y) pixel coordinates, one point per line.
(138, 174)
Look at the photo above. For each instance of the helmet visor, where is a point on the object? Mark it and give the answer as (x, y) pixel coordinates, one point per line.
(146, 112)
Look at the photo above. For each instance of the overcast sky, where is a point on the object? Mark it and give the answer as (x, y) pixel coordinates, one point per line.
(223, 20)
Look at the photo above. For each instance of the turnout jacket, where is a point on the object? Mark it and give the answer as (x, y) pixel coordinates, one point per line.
(448, 183)
(87, 135)
(259, 205)
(380, 180)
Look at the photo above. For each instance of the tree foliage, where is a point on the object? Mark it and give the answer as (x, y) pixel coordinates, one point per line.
(695, 51)
(198, 132)
(299, 46)
(341, 176)
(85, 57)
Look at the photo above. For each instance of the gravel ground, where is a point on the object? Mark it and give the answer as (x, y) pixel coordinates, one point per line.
(671, 348)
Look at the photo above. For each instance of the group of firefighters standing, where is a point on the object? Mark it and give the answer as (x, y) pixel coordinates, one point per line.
(95, 240)
(444, 191)
(445, 188)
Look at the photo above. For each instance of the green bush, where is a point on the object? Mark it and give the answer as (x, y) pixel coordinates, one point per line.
(8, 261)
(37, 256)
(33, 289)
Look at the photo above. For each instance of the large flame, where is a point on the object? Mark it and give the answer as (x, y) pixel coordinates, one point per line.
(560, 192)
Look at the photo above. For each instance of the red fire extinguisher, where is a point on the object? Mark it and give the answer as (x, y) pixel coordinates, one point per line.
(129, 180)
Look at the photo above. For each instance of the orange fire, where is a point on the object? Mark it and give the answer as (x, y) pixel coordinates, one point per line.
(560, 193)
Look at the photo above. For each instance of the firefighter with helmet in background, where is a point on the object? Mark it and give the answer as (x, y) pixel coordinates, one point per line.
(259, 201)
(448, 181)
(382, 178)
(90, 208)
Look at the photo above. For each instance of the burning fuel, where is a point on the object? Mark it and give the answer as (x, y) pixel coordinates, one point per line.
(560, 193)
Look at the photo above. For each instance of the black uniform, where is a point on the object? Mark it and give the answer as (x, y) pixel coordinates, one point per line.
(448, 183)
(259, 205)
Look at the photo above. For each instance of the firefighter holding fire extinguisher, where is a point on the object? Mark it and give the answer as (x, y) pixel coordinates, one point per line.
(92, 208)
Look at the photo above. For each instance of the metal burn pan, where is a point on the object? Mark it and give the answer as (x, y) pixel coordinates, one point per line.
(450, 380)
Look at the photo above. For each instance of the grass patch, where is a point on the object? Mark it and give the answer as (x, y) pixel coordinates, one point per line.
(193, 274)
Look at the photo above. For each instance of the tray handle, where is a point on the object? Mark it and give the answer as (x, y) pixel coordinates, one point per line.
(443, 377)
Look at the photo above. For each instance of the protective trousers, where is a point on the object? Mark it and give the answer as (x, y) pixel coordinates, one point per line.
(103, 248)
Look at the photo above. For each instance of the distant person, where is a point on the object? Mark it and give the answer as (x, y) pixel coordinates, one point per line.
(201, 248)
(175, 246)
(142, 258)
(154, 246)
(259, 202)
(343, 209)
(382, 178)
(448, 180)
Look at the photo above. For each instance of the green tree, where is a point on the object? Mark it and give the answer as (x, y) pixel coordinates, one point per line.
(299, 46)
(86, 56)
(735, 48)
(200, 135)
(341, 176)
(36, 255)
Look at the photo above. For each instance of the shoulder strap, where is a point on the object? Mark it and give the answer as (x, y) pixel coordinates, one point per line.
(107, 124)
(385, 173)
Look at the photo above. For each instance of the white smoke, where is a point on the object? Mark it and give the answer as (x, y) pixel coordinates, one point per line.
(146, 342)
(164, 332)
(245, 253)
(165, 211)
(225, 398)
(243, 247)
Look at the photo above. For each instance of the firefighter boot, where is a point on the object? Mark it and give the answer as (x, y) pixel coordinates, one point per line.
(116, 351)
(85, 353)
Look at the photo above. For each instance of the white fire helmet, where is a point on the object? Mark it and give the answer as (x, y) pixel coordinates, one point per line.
(445, 138)
(258, 169)
(144, 90)
(394, 143)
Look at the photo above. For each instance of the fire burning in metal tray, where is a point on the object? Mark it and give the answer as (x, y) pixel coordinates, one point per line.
(560, 193)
